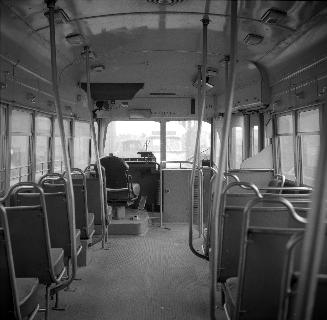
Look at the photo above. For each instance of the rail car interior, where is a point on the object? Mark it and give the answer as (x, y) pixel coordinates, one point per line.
(163, 159)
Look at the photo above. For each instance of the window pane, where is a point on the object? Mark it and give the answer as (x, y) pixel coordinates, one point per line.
(81, 152)
(217, 148)
(255, 140)
(82, 129)
(126, 138)
(58, 157)
(21, 122)
(236, 155)
(180, 140)
(43, 126)
(285, 124)
(287, 156)
(3, 149)
(20, 166)
(42, 156)
(66, 128)
(310, 153)
(309, 121)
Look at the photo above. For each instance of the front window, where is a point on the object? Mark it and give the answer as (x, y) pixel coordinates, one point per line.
(181, 137)
(126, 138)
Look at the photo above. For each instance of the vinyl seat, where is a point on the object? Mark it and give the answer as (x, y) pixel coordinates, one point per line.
(28, 291)
(230, 290)
(57, 260)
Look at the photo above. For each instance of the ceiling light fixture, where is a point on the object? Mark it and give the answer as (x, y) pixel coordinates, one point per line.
(273, 16)
(165, 2)
(98, 68)
(252, 39)
(75, 39)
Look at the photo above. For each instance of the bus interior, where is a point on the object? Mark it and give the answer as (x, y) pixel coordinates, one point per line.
(163, 159)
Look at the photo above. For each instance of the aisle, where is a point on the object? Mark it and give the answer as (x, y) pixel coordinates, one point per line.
(147, 277)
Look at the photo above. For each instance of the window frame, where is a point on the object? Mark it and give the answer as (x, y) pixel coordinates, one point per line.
(297, 139)
(30, 148)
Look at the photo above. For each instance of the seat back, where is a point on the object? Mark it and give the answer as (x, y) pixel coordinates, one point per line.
(30, 237)
(81, 205)
(93, 194)
(261, 273)
(30, 242)
(230, 233)
(115, 172)
(58, 218)
(8, 292)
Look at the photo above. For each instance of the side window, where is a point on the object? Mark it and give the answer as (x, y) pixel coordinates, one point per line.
(309, 137)
(254, 134)
(42, 145)
(3, 142)
(285, 145)
(21, 131)
(236, 143)
(58, 156)
(82, 140)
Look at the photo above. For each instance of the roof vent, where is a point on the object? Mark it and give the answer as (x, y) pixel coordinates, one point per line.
(252, 39)
(98, 67)
(60, 16)
(75, 39)
(273, 16)
(165, 2)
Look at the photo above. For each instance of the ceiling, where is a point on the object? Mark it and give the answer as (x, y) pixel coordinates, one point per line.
(158, 45)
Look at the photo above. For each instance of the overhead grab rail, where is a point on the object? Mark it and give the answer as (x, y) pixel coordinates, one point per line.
(201, 108)
(70, 193)
(95, 144)
(218, 186)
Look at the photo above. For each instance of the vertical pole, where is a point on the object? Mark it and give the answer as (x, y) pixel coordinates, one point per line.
(163, 141)
(218, 184)
(261, 141)
(205, 22)
(313, 240)
(70, 192)
(227, 60)
(95, 144)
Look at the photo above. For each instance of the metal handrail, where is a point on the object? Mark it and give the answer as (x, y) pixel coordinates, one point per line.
(201, 85)
(95, 143)
(54, 75)
(230, 87)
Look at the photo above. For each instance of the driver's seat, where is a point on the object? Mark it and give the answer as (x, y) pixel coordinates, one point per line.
(121, 191)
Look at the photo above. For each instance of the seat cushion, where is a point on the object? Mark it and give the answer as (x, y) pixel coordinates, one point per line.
(230, 289)
(78, 238)
(90, 224)
(117, 195)
(57, 260)
(28, 292)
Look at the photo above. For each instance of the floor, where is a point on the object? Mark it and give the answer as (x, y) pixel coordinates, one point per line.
(153, 277)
